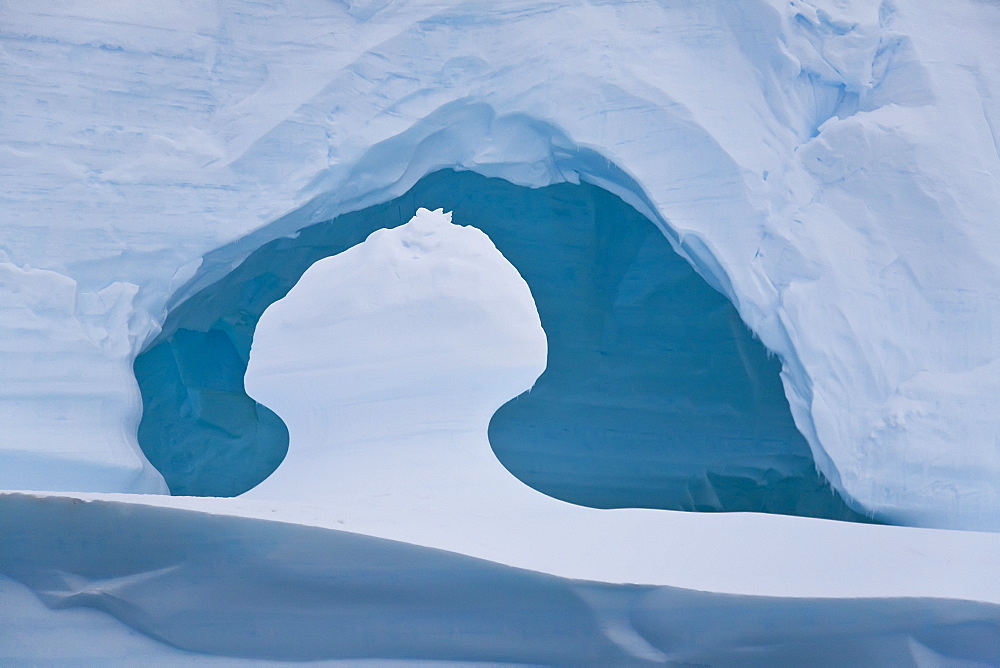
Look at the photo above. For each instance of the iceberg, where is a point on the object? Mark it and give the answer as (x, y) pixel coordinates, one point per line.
(743, 255)
(821, 165)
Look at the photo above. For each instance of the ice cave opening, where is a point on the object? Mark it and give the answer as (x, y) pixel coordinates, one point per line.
(656, 395)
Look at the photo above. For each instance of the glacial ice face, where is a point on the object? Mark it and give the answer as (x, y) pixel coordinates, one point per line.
(656, 395)
(830, 166)
(46, 392)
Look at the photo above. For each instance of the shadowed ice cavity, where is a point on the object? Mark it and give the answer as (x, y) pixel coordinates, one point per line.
(655, 394)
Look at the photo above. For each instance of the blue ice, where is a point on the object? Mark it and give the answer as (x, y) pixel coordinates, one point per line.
(656, 394)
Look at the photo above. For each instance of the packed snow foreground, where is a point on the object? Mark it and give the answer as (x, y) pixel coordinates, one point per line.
(832, 168)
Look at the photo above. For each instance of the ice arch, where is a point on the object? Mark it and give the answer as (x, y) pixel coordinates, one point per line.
(387, 362)
(712, 432)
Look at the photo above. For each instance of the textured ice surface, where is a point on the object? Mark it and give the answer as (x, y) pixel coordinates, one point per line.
(831, 167)
(198, 428)
(655, 394)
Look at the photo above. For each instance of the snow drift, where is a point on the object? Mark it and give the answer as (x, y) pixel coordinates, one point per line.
(209, 586)
(830, 169)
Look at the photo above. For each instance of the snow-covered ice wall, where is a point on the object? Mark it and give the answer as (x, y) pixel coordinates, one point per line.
(831, 167)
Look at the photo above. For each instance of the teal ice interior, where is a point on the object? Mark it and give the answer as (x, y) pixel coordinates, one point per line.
(656, 394)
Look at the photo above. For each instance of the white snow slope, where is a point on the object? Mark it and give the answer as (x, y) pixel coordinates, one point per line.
(831, 166)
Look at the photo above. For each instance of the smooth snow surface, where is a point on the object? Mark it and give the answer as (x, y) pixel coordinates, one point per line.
(32, 634)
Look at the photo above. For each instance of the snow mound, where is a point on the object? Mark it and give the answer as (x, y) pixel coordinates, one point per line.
(166, 586)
